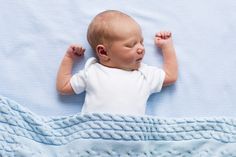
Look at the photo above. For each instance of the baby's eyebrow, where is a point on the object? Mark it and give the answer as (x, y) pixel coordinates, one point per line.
(135, 40)
(130, 40)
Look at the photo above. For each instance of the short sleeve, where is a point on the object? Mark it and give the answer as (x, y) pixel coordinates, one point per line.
(79, 80)
(154, 76)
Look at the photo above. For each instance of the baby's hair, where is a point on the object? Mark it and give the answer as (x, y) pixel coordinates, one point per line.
(100, 29)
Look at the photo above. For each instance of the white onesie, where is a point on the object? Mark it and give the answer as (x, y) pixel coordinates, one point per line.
(116, 91)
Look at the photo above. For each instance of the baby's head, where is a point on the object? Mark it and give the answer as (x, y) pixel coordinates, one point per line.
(117, 40)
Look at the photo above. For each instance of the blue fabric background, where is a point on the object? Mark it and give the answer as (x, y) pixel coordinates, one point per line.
(34, 36)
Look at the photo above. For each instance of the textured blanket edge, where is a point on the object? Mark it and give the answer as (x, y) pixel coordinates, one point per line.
(23, 133)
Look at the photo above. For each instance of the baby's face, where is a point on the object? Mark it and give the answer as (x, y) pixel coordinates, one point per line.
(127, 50)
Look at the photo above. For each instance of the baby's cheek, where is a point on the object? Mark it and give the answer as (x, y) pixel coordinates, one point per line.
(129, 57)
(130, 60)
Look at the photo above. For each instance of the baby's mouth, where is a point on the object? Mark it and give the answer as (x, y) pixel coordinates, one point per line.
(139, 60)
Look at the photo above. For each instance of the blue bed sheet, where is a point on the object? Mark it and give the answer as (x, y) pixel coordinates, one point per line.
(35, 34)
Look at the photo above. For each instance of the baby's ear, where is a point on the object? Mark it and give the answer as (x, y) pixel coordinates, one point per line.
(102, 52)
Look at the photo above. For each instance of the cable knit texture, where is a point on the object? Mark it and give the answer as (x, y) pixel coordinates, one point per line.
(25, 134)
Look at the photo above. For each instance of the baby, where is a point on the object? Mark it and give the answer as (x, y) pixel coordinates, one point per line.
(117, 81)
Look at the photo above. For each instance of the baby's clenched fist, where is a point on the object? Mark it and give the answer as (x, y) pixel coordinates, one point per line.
(163, 39)
(75, 50)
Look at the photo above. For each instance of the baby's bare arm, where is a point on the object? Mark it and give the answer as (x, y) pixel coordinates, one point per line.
(64, 73)
(164, 41)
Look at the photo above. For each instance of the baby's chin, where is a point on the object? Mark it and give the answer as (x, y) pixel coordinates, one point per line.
(133, 67)
(138, 64)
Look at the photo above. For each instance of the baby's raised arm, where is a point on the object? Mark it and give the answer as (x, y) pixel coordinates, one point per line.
(64, 73)
(164, 41)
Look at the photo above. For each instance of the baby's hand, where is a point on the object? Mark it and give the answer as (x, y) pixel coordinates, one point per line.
(163, 39)
(75, 50)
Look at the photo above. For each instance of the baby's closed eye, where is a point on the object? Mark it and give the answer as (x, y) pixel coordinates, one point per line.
(130, 44)
(133, 43)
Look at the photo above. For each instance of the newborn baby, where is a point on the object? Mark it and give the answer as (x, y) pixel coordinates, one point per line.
(117, 81)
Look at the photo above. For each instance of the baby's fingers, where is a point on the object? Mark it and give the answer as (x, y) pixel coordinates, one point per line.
(168, 34)
(77, 49)
(159, 34)
(80, 51)
(163, 34)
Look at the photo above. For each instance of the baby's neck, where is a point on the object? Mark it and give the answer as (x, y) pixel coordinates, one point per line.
(115, 67)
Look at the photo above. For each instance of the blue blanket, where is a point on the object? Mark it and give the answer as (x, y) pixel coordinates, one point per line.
(23, 134)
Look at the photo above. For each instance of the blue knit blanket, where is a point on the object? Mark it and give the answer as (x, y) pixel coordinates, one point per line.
(25, 134)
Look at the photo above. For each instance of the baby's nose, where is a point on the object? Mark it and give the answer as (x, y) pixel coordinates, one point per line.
(141, 49)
